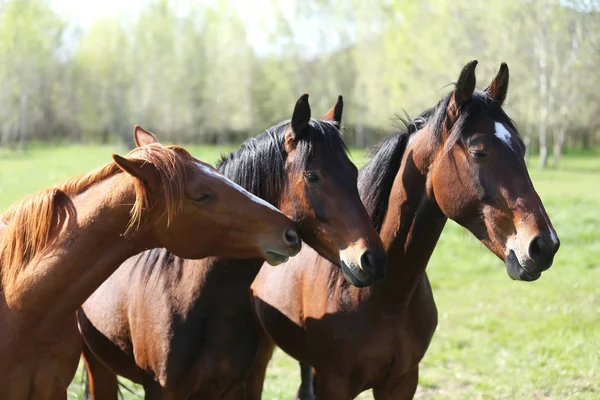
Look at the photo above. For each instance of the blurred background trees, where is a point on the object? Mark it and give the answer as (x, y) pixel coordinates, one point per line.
(190, 71)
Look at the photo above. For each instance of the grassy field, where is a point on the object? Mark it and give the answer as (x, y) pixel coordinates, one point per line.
(496, 339)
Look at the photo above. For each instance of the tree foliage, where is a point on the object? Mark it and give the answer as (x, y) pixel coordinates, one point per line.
(194, 75)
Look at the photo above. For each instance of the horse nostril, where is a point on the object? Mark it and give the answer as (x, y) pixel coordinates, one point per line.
(366, 261)
(291, 237)
(373, 263)
(536, 248)
(541, 251)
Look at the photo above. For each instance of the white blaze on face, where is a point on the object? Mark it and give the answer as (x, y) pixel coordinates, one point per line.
(235, 186)
(503, 134)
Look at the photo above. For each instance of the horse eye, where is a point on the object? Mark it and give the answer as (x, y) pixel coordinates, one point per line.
(478, 154)
(312, 177)
(201, 197)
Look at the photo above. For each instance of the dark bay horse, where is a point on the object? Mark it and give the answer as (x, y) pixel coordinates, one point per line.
(59, 245)
(462, 159)
(186, 329)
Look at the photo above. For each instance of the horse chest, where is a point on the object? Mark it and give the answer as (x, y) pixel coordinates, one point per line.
(386, 346)
(405, 336)
(370, 352)
(38, 364)
(213, 355)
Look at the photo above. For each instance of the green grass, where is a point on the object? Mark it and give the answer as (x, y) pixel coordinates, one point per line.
(496, 338)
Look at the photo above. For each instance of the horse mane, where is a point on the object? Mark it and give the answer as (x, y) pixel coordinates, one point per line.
(376, 178)
(259, 165)
(32, 223)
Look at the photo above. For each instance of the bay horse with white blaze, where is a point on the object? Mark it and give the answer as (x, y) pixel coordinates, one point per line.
(462, 159)
(59, 245)
(186, 329)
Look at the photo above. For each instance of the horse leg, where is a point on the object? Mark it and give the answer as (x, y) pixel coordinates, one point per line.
(153, 391)
(403, 388)
(307, 385)
(333, 387)
(101, 382)
(238, 393)
(60, 395)
(254, 383)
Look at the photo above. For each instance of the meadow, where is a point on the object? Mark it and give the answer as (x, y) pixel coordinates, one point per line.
(496, 338)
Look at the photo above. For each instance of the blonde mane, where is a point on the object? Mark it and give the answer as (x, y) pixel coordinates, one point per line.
(32, 223)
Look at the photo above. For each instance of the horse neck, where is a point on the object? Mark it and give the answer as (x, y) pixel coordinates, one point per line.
(412, 225)
(88, 248)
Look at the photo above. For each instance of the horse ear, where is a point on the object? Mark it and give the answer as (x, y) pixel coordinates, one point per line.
(464, 89)
(335, 114)
(136, 167)
(300, 117)
(499, 85)
(143, 137)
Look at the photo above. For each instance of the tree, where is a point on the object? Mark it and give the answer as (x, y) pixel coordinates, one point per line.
(30, 42)
(104, 69)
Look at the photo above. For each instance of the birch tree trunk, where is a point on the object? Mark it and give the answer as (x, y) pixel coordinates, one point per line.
(543, 78)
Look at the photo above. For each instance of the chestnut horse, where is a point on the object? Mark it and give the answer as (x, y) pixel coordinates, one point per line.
(464, 160)
(59, 245)
(186, 329)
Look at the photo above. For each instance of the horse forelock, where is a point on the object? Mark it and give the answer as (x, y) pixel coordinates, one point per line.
(170, 164)
(325, 133)
(481, 105)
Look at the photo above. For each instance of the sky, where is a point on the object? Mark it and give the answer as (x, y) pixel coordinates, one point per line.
(83, 13)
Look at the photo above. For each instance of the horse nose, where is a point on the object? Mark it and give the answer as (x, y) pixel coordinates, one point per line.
(373, 263)
(291, 238)
(542, 250)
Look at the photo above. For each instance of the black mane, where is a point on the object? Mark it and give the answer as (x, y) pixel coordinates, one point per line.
(376, 178)
(259, 165)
